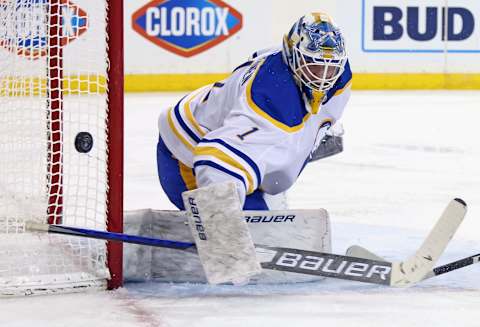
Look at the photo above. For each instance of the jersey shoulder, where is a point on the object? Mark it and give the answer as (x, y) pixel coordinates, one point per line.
(273, 94)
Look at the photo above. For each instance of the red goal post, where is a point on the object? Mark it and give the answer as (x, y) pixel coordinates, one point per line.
(115, 125)
(61, 142)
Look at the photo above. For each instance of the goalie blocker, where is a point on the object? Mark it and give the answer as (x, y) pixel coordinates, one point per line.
(224, 243)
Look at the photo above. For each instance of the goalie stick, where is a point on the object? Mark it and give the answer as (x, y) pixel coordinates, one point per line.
(376, 270)
(397, 274)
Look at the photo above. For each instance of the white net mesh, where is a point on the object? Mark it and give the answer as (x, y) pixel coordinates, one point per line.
(53, 73)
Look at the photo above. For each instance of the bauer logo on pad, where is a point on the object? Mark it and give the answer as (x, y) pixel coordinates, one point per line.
(31, 40)
(186, 27)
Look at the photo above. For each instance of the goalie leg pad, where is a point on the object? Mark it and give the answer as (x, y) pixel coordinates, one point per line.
(224, 244)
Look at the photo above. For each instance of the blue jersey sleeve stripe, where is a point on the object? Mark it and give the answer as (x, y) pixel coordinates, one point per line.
(239, 153)
(221, 168)
(184, 126)
(245, 64)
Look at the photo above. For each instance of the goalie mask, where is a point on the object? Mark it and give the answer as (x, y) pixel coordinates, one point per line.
(315, 52)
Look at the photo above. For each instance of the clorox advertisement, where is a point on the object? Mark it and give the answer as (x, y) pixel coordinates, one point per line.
(187, 27)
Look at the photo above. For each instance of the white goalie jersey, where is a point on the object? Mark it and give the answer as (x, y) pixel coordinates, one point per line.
(256, 127)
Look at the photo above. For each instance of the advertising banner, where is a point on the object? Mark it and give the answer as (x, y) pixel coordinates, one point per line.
(420, 26)
(183, 44)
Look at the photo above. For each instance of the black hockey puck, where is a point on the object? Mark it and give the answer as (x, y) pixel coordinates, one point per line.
(84, 142)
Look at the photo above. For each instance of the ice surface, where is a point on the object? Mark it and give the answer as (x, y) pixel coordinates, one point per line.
(406, 155)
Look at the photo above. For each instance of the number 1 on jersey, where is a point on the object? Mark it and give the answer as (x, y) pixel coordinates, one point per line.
(242, 136)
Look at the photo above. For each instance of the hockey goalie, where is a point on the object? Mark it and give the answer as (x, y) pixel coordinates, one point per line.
(240, 143)
(226, 155)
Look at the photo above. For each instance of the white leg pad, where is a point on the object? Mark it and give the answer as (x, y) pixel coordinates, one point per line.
(224, 244)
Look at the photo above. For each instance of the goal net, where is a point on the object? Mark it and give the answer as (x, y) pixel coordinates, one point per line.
(56, 144)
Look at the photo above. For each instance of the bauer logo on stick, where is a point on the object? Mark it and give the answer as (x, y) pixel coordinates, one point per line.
(330, 265)
(189, 27)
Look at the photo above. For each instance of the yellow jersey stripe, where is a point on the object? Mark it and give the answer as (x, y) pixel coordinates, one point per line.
(220, 155)
(191, 119)
(189, 114)
(176, 132)
(187, 176)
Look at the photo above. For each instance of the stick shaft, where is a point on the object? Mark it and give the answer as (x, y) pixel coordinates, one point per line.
(109, 236)
(455, 265)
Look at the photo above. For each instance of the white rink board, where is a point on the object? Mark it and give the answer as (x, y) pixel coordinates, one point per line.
(265, 23)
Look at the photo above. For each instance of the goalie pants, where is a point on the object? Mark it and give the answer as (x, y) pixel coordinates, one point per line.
(176, 178)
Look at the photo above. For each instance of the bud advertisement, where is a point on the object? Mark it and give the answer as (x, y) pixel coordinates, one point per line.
(420, 26)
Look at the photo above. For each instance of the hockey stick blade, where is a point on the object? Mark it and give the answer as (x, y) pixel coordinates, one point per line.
(420, 265)
(361, 252)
